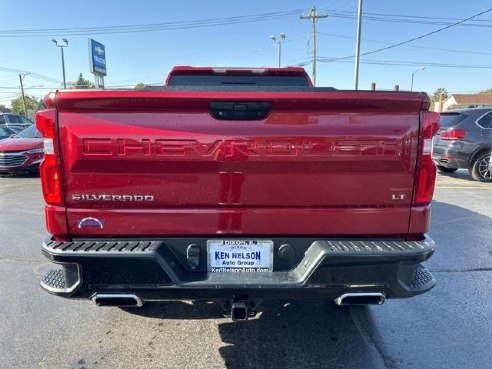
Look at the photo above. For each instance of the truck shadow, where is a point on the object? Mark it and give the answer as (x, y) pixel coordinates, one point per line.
(179, 310)
(295, 334)
(299, 334)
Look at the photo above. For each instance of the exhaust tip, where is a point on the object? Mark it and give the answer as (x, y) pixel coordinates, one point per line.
(361, 298)
(121, 300)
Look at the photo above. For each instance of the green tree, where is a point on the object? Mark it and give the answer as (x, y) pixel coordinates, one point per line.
(18, 107)
(140, 86)
(41, 104)
(2, 107)
(489, 91)
(435, 97)
(81, 83)
(439, 91)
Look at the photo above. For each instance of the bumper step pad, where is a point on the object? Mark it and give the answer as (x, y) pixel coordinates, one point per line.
(423, 280)
(55, 279)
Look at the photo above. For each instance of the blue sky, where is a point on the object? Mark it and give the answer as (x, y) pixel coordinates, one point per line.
(148, 56)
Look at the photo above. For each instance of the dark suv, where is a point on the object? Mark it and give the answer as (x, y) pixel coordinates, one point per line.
(465, 141)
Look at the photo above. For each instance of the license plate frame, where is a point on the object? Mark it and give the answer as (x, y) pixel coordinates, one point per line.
(240, 263)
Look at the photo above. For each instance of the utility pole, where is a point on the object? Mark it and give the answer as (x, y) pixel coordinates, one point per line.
(21, 77)
(357, 47)
(279, 46)
(439, 109)
(313, 17)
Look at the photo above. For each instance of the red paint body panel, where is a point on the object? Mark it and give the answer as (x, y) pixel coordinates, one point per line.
(420, 217)
(321, 163)
(20, 144)
(261, 221)
(56, 220)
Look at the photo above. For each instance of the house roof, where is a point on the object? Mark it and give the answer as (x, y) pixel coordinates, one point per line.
(480, 99)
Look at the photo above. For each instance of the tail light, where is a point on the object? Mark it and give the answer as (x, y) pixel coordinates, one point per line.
(426, 175)
(454, 134)
(50, 167)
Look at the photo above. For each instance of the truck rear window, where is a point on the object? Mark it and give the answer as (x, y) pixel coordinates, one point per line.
(227, 80)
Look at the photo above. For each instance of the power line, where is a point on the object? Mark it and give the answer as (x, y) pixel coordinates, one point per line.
(211, 22)
(424, 17)
(32, 74)
(28, 88)
(410, 63)
(9, 97)
(10, 92)
(412, 19)
(302, 63)
(412, 46)
(242, 54)
(416, 38)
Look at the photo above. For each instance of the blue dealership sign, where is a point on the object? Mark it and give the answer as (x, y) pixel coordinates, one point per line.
(97, 57)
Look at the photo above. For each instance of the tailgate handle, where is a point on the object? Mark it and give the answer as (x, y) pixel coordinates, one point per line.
(238, 110)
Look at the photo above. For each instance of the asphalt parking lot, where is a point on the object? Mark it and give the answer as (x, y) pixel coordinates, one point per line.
(449, 327)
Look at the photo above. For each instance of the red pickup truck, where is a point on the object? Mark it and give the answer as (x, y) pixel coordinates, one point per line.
(237, 185)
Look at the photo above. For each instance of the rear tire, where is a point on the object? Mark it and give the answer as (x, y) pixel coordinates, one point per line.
(479, 171)
(445, 169)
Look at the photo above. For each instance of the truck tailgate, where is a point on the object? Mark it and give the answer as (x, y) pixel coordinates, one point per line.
(153, 163)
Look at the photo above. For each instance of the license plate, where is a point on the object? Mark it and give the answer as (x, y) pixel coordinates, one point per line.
(239, 256)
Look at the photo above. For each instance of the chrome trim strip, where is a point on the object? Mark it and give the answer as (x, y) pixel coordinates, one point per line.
(4, 154)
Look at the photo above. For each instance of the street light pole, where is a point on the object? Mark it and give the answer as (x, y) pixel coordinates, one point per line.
(279, 46)
(413, 74)
(357, 47)
(63, 68)
(62, 46)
